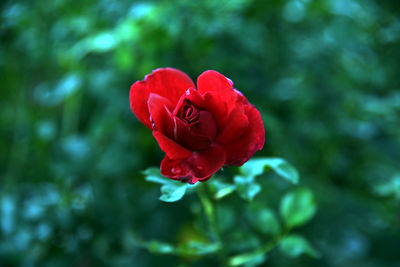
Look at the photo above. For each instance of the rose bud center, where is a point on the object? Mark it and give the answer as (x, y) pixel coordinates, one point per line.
(190, 114)
(196, 128)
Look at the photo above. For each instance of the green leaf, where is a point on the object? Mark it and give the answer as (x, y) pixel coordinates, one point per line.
(246, 187)
(297, 207)
(153, 175)
(226, 217)
(172, 192)
(295, 245)
(195, 248)
(220, 189)
(255, 167)
(264, 220)
(249, 259)
(390, 187)
(159, 247)
(191, 248)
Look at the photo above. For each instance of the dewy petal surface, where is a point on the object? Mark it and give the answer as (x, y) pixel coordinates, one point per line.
(168, 82)
(200, 166)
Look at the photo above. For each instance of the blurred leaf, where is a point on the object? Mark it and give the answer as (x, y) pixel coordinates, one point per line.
(171, 190)
(255, 167)
(225, 217)
(220, 189)
(389, 188)
(297, 207)
(195, 248)
(295, 245)
(102, 42)
(248, 259)
(246, 187)
(160, 247)
(264, 220)
(190, 248)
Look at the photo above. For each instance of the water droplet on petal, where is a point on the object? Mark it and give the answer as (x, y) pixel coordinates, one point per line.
(200, 168)
(176, 170)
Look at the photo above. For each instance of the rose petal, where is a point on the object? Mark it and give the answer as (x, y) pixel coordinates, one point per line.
(211, 80)
(200, 166)
(160, 116)
(185, 136)
(190, 94)
(200, 135)
(206, 126)
(170, 147)
(170, 83)
(218, 106)
(236, 125)
(238, 151)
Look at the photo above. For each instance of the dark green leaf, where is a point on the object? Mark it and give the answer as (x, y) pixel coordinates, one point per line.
(195, 248)
(297, 207)
(160, 247)
(295, 245)
(264, 220)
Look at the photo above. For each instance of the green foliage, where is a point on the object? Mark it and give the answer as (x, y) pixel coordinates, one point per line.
(171, 190)
(188, 249)
(295, 245)
(244, 184)
(388, 188)
(194, 248)
(220, 189)
(255, 167)
(160, 248)
(246, 187)
(265, 220)
(297, 207)
(248, 259)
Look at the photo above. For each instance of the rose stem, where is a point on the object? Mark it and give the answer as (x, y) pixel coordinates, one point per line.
(210, 211)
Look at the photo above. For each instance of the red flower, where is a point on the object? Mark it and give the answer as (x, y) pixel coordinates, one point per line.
(200, 130)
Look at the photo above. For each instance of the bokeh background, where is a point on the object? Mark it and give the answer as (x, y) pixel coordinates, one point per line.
(324, 75)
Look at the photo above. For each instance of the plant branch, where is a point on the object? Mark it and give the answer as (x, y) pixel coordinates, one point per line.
(210, 211)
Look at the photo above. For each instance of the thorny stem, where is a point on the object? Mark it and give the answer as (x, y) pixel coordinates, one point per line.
(210, 211)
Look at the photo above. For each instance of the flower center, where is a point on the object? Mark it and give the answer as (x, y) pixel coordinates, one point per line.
(189, 113)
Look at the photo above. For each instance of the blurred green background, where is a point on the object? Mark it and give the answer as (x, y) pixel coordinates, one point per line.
(324, 75)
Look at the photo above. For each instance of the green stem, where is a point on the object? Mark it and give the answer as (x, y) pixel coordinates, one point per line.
(264, 249)
(210, 211)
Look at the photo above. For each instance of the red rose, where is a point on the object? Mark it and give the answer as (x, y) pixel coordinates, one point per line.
(200, 130)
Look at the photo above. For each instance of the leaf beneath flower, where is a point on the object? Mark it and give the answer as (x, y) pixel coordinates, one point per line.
(171, 191)
(255, 167)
